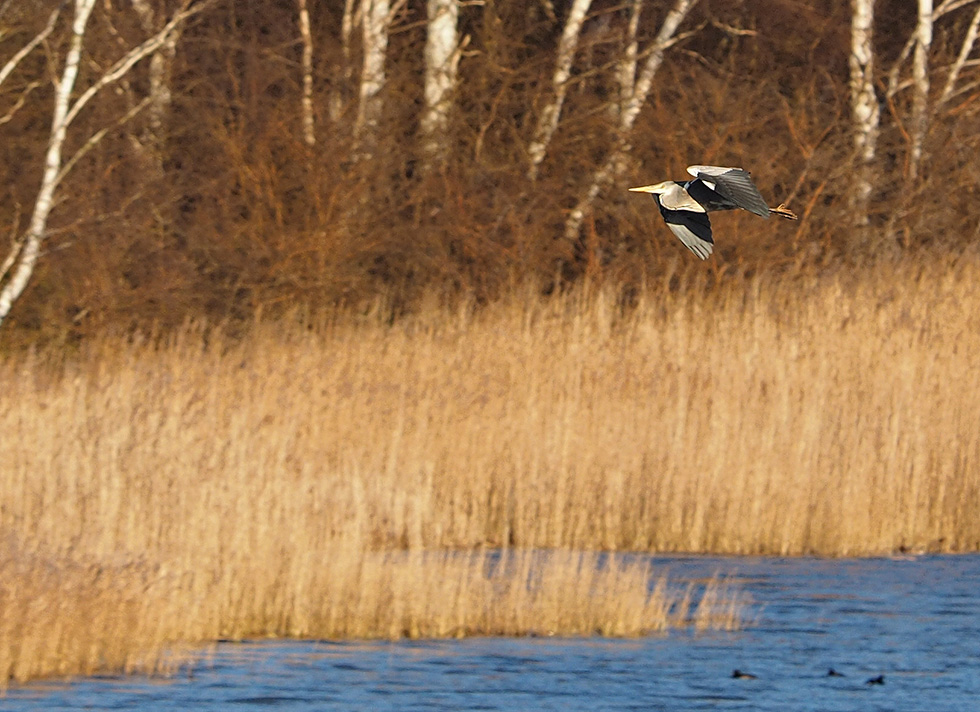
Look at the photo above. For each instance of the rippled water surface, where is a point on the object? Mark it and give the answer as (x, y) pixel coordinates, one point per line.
(916, 622)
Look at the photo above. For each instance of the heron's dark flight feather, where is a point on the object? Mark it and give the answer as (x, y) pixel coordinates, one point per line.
(710, 199)
(735, 185)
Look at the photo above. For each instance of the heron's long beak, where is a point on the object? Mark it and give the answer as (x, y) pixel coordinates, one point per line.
(661, 187)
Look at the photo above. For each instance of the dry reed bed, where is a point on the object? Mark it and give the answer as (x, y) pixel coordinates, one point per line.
(264, 486)
(822, 415)
(65, 615)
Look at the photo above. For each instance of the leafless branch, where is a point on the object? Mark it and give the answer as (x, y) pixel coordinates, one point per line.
(21, 100)
(12, 63)
(966, 48)
(97, 137)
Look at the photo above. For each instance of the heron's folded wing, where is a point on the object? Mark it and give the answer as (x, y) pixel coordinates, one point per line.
(734, 184)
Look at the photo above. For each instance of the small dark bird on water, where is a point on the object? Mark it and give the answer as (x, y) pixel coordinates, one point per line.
(834, 673)
(685, 206)
(739, 675)
(880, 680)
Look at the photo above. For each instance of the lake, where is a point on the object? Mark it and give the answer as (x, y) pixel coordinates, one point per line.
(915, 621)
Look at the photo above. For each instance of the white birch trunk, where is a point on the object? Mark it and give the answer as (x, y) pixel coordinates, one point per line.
(920, 81)
(548, 119)
(306, 103)
(63, 114)
(615, 163)
(375, 22)
(864, 106)
(442, 54)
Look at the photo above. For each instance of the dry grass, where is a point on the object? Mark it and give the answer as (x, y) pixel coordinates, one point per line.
(297, 482)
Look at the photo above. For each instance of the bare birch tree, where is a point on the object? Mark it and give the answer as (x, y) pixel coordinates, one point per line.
(628, 63)
(25, 252)
(946, 7)
(547, 122)
(376, 18)
(8, 68)
(865, 114)
(150, 144)
(306, 103)
(919, 45)
(636, 95)
(443, 51)
(969, 40)
(920, 80)
(339, 94)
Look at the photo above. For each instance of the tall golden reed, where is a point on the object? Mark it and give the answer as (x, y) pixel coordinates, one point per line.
(313, 478)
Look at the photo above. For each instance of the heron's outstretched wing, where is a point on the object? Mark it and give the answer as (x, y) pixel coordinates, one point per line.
(693, 229)
(734, 184)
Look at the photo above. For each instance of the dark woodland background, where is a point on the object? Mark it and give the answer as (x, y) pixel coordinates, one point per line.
(245, 217)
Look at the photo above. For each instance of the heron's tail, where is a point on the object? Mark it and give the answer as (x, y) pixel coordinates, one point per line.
(782, 211)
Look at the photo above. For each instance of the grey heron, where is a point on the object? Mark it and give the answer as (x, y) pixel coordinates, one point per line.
(685, 206)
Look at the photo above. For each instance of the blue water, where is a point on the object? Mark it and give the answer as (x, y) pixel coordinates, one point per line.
(917, 622)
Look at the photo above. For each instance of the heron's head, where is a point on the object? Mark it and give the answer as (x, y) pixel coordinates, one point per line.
(659, 188)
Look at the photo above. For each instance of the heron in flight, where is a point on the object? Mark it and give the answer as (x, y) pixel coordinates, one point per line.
(685, 206)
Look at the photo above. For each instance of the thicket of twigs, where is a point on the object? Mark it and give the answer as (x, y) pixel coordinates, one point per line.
(245, 216)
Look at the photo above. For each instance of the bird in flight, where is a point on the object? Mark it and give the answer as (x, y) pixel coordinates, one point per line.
(685, 206)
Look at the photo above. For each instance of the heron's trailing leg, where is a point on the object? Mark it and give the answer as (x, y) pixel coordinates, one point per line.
(782, 211)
